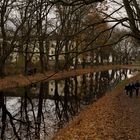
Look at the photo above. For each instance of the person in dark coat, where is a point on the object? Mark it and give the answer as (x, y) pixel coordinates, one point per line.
(131, 89)
(137, 86)
(127, 89)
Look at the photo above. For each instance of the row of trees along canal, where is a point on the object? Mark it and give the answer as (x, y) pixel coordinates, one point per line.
(61, 34)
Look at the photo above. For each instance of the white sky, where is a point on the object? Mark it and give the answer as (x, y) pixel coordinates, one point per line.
(114, 5)
(110, 9)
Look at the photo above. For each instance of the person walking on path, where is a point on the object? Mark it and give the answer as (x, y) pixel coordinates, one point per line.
(137, 85)
(127, 89)
(131, 89)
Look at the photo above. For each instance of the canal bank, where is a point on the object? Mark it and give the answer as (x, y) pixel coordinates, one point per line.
(114, 117)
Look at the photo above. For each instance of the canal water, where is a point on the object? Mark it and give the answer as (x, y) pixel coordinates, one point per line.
(38, 111)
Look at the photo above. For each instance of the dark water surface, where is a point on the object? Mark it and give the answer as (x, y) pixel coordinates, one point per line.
(39, 111)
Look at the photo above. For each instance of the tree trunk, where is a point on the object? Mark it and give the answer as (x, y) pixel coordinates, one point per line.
(132, 22)
(2, 69)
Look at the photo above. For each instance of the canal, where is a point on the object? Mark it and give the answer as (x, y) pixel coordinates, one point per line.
(39, 110)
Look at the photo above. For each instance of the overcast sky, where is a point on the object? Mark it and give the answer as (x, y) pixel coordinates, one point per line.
(113, 5)
(111, 9)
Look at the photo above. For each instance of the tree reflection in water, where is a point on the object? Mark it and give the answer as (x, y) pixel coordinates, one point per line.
(25, 117)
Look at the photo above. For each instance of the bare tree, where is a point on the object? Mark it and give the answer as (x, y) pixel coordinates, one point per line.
(11, 27)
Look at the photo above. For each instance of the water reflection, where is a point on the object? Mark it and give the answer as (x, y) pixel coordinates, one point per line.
(40, 110)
